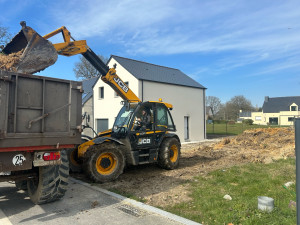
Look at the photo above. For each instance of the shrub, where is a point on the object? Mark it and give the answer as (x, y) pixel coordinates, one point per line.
(248, 121)
(219, 121)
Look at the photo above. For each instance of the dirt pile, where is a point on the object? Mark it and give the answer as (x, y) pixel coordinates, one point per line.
(160, 187)
(9, 62)
(262, 144)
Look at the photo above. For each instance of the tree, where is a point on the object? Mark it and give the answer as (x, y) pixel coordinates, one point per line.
(235, 104)
(5, 36)
(214, 103)
(85, 70)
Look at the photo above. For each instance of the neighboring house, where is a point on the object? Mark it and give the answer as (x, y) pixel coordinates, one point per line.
(87, 105)
(277, 111)
(151, 82)
(243, 115)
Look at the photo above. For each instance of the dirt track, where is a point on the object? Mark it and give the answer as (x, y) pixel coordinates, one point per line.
(160, 187)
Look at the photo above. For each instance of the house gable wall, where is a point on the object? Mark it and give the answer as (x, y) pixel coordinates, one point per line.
(186, 101)
(110, 105)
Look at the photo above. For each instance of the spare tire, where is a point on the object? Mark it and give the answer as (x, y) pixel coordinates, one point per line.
(21, 185)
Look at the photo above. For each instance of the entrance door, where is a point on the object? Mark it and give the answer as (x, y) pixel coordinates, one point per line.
(186, 128)
(102, 125)
(273, 120)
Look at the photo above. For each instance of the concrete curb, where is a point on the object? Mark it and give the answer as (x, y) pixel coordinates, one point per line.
(138, 204)
(205, 140)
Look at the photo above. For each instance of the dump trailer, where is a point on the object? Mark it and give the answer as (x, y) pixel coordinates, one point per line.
(40, 119)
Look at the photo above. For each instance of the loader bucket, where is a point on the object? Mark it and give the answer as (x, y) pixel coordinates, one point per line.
(28, 52)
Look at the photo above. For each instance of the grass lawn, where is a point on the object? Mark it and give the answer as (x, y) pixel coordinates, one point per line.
(231, 129)
(244, 184)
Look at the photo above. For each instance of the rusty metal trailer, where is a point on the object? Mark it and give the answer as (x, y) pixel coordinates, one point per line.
(40, 118)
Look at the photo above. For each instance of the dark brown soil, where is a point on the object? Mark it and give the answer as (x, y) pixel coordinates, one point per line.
(160, 187)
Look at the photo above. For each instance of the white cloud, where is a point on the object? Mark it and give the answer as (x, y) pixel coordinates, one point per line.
(253, 31)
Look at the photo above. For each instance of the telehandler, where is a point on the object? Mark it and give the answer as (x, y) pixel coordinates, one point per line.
(129, 142)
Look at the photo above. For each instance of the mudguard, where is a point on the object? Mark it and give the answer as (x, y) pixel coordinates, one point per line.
(100, 140)
(170, 135)
(97, 141)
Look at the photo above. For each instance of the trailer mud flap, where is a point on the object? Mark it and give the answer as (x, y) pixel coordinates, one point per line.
(14, 161)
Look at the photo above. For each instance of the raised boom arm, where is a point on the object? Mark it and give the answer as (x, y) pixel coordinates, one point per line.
(71, 47)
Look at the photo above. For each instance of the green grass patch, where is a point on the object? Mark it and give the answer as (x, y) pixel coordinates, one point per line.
(244, 184)
(231, 129)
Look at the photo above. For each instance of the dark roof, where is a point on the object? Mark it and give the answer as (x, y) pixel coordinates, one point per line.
(150, 72)
(275, 105)
(87, 86)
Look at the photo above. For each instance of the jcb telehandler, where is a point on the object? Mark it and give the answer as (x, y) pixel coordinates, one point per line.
(129, 142)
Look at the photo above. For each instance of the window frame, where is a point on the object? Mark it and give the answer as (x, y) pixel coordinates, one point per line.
(101, 92)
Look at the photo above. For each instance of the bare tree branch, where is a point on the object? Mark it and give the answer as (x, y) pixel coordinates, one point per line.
(84, 70)
(5, 36)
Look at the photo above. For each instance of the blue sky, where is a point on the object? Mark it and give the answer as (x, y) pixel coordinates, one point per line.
(236, 47)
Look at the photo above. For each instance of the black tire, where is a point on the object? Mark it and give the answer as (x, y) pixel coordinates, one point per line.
(104, 162)
(51, 183)
(169, 154)
(21, 185)
(74, 163)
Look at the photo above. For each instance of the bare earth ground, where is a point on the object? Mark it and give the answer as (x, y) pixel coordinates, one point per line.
(160, 187)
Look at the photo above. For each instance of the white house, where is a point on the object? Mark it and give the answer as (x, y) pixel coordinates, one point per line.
(151, 82)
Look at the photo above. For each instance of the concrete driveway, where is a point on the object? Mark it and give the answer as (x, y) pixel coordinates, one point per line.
(82, 204)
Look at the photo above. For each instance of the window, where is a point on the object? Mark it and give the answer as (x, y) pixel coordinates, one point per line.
(258, 118)
(186, 128)
(127, 84)
(101, 92)
(273, 120)
(163, 119)
(102, 125)
(293, 108)
(291, 119)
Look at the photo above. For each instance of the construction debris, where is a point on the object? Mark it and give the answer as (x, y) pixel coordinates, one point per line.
(9, 62)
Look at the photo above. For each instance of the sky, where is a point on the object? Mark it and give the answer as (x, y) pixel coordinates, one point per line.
(236, 47)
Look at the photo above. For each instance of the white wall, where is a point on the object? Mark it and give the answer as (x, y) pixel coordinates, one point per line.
(88, 109)
(110, 105)
(186, 101)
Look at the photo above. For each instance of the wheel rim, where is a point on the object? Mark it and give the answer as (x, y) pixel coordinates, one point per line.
(173, 153)
(106, 163)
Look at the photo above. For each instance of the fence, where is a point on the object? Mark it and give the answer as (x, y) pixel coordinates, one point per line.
(230, 128)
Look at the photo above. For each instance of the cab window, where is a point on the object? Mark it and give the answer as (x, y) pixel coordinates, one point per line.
(163, 118)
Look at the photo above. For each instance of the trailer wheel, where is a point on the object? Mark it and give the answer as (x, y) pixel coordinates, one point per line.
(104, 163)
(21, 185)
(51, 183)
(169, 153)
